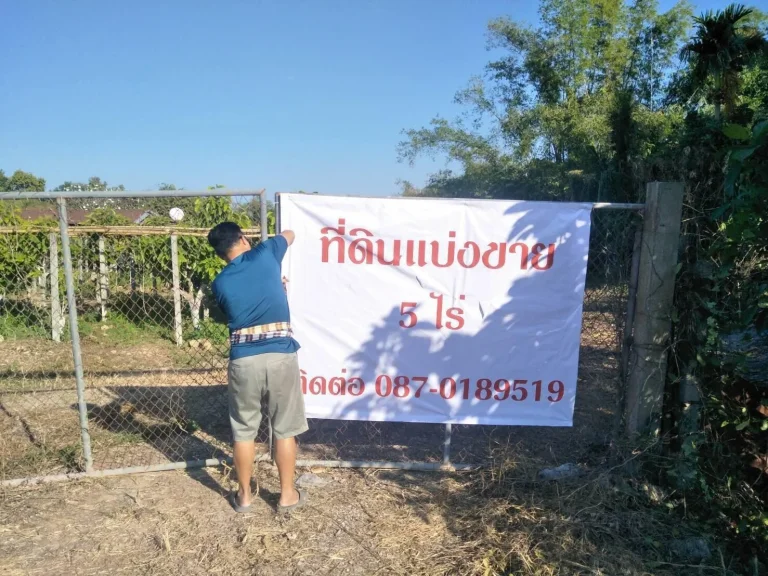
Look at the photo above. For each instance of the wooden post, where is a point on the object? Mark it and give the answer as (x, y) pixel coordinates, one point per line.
(103, 279)
(177, 322)
(56, 318)
(653, 311)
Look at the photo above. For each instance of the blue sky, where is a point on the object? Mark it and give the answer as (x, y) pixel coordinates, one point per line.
(282, 94)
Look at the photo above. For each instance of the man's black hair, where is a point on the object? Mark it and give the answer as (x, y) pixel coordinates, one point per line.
(223, 237)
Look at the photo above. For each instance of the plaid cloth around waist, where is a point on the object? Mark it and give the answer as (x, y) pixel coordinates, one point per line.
(260, 333)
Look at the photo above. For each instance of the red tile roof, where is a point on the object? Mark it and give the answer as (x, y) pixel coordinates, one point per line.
(75, 217)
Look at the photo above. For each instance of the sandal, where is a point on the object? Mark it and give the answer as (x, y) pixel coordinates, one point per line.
(299, 503)
(239, 508)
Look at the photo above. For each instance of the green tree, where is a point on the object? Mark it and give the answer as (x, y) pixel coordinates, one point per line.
(116, 248)
(198, 263)
(723, 45)
(20, 253)
(652, 42)
(162, 206)
(541, 122)
(94, 184)
(755, 86)
(3, 181)
(252, 209)
(21, 181)
(106, 217)
(407, 189)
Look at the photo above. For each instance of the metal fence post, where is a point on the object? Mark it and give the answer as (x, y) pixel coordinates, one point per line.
(74, 333)
(56, 319)
(263, 215)
(447, 445)
(278, 223)
(177, 322)
(264, 235)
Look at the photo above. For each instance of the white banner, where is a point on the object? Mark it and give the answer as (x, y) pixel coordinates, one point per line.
(443, 311)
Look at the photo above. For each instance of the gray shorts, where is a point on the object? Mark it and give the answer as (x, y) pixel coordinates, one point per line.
(266, 379)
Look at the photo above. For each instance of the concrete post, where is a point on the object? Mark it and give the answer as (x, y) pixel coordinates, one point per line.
(57, 320)
(653, 316)
(103, 279)
(177, 320)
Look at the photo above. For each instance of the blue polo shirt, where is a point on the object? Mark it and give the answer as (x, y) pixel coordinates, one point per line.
(250, 292)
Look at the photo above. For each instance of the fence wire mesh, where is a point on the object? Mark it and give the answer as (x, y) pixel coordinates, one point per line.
(39, 432)
(155, 349)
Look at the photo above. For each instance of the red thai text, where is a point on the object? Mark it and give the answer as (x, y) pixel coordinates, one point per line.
(360, 246)
(452, 318)
(333, 386)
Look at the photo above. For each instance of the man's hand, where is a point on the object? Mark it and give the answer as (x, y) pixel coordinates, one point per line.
(285, 284)
(289, 236)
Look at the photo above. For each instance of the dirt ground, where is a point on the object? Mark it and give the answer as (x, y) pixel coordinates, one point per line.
(178, 523)
(501, 521)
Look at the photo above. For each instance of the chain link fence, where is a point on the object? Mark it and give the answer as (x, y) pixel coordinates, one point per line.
(154, 350)
(154, 346)
(155, 357)
(39, 432)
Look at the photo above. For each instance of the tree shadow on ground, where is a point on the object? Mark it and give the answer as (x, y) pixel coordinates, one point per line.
(161, 425)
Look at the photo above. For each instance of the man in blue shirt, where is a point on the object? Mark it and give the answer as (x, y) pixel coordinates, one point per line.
(263, 365)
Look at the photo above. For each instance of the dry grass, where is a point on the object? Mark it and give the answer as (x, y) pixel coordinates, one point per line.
(140, 525)
(600, 524)
(495, 522)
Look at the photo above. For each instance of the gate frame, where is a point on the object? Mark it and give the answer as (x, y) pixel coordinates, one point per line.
(62, 197)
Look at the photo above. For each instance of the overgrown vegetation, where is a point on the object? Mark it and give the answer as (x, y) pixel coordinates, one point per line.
(602, 97)
(722, 314)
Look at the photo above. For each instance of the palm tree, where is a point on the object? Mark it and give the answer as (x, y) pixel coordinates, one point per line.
(722, 45)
